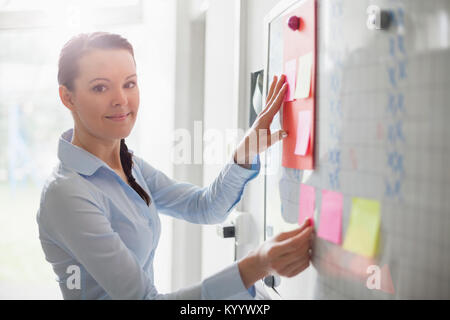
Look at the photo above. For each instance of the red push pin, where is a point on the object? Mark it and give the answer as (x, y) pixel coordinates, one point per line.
(294, 23)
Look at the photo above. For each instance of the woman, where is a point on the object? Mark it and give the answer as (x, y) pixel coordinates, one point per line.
(98, 216)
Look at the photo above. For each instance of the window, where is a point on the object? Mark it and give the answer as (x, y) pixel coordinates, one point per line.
(32, 117)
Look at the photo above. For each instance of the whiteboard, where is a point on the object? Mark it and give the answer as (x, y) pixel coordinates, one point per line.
(382, 134)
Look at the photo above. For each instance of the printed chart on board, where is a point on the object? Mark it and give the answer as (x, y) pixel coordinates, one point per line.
(375, 130)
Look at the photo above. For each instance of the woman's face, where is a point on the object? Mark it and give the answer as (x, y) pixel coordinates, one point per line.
(106, 95)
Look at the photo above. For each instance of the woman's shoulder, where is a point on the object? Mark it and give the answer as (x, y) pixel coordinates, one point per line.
(60, 179)
(143, 166)
(62, 187)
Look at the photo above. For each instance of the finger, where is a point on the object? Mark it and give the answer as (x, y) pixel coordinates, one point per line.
(286, 235)
(277, 103)
(303, 237)
(275, 137)
(292, 243)
(278, 88)
(275, 94)
(272, 88)
(296, 241)
(295, 254)
(287, 268)
(269, 112)
(295, 249)
(296, 271)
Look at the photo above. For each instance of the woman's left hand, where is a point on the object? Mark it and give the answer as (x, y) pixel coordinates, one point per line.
(259, 138)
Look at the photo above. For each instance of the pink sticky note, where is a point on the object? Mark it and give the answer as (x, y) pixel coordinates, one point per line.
(331, 217)
(303, 132)
(307, 203)
(290, 70)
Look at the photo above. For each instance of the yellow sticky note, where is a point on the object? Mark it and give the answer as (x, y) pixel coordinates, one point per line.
(364, 228)
(303, 86)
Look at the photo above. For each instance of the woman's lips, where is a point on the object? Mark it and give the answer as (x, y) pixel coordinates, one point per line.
(118, 118)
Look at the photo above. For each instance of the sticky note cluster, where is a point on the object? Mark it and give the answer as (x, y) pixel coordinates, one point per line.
(363, 231)
(299, 79)
(298, 113)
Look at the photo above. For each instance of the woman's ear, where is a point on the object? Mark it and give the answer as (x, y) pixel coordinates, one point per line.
(66, 97)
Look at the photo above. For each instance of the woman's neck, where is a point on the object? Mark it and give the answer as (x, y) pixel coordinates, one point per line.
(106, 150)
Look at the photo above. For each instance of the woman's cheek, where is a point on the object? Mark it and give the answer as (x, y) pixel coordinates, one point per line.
(135, 100)
(92, 113)
(134, 106)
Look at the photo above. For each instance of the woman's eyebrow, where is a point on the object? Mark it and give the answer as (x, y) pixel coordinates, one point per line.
(106, 79)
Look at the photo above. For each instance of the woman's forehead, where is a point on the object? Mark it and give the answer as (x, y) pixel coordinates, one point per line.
(104, 63)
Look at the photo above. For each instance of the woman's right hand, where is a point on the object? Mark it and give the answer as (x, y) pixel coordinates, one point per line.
(287, 254)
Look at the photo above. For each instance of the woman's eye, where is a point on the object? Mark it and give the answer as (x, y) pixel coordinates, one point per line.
(131, 84)
(99, 88)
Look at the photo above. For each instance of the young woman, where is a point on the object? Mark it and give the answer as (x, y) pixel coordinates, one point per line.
(98, 216)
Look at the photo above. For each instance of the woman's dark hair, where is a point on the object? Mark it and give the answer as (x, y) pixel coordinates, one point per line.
(68, 70)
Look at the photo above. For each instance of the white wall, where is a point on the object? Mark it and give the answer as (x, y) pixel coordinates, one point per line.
(157, 70)
(220, 111)
(189, 84)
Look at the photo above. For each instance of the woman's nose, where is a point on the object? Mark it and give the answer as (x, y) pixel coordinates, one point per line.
(120, 98)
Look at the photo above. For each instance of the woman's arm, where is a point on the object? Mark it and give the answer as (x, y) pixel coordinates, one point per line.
(208, 205)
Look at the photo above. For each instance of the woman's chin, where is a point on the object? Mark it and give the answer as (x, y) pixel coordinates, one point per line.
(120, 134)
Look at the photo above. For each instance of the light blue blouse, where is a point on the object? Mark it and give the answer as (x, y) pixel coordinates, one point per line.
(92, 222)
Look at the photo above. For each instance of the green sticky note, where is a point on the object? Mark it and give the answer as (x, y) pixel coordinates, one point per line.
(364, 228)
